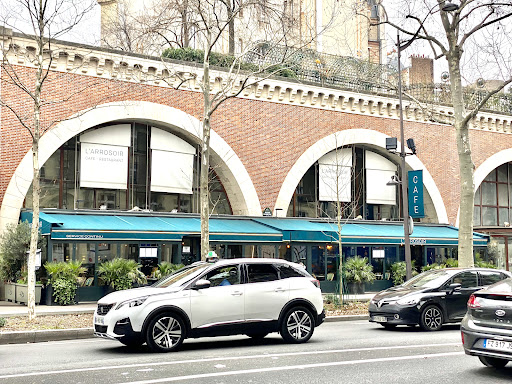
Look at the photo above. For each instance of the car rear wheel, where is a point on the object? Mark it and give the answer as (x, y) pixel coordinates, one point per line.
(493, 362)
(297, 326)
(431, 318)
(165, 332)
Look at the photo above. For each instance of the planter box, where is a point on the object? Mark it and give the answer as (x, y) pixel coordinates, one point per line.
(355, 288)
(22, 293)
(10, 292)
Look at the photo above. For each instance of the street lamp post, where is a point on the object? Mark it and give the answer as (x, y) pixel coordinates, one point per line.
(404, 183)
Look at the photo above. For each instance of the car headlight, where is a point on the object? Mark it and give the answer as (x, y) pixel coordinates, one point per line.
(408, 301)
(133, 302)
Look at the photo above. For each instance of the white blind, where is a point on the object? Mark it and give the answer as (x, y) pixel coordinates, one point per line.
(335, 176)
(378, 172)
(103, 166)
(172, 163)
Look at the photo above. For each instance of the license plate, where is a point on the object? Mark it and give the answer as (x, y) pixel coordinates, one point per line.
(380, 319)
(99, 320)
(498, 345)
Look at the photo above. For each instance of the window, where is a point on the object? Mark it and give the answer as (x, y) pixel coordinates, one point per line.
(488, 278)
(466, 279)
(261, 272)
(286, 271)
(493, 198)
(226, 275)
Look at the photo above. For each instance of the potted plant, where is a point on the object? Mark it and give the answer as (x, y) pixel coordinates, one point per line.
(399, 271)
(357, 272)
(14, 244)
(121, 274)
(64, 277)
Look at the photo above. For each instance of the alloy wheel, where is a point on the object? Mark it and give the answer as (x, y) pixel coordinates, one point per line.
(431, 318)
(165, 333)
(298, 326)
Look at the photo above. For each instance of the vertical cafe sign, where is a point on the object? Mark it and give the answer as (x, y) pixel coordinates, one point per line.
(103, 166)
(416, 208)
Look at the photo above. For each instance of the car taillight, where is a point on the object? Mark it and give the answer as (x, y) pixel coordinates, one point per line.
(473, 302)
(316, 283)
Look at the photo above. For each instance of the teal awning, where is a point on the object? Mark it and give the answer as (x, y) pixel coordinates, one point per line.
(367, 233)
(99, 227)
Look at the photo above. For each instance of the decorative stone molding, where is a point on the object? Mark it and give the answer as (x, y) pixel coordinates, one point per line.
(116, 65)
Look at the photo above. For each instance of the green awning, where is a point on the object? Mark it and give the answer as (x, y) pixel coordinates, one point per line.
(300, 230)
(149, 227)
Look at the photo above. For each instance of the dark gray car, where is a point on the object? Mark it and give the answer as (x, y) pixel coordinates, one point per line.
(487, 326)
(431, 298)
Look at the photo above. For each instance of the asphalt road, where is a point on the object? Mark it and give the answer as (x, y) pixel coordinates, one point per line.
(340, 352)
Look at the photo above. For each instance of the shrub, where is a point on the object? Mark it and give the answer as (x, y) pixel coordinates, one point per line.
(2, 322)
(451, 263)
(14, 244)
(121, 273)
(357, 270)
(64, 279)
(399, 271)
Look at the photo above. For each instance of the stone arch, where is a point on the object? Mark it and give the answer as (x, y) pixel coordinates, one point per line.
(486, 167)
(232, 173)
(352, 136)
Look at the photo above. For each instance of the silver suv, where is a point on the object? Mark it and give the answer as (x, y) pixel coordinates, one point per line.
(229, 297)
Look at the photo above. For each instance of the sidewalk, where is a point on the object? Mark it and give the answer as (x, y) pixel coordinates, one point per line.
(8, 309)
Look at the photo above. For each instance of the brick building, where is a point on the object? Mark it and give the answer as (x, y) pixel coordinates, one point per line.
(270, 148)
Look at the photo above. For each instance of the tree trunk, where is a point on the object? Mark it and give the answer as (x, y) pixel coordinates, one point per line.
(466, 168)
(205, 162)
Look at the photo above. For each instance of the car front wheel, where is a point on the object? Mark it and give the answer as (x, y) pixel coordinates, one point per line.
(493, 362)
(431, 318)
(165, 332)
(297, 326)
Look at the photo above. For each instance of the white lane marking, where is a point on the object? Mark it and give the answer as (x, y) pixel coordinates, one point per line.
(265, 355)
(293, 367)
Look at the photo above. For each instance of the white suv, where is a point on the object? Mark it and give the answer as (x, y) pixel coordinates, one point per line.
(229, 297)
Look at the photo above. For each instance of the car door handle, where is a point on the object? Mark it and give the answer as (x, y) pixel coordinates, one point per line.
(279, 290)
(236, 293)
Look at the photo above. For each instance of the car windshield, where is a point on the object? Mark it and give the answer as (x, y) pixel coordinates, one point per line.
(181, 276)
(429, 279)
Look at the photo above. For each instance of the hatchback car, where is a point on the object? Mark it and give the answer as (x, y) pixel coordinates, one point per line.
(487, 327)
(431, 298)
(236, 296)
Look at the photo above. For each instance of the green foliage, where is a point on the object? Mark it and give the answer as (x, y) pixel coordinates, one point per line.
(483, 264)
(451, 263)
(121, 273)
(64, 278)
(428, 267)
(14, 244)
(357, 270)
(165, 269)
(2, 322)
(399, 271)
(332, 298)
(225, 61)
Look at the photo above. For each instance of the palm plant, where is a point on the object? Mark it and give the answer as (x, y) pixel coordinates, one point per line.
(398, 271)
(357, 270)
(64, 278)
(165, 269)
(121, 273)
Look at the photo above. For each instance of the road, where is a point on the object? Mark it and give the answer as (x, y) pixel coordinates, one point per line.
(339, 352)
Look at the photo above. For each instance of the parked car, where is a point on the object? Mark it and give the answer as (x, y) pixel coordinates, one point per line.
(487, 327)
(236, 296)
(431, 298)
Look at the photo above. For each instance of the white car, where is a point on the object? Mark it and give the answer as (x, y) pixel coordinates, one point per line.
(229, 297)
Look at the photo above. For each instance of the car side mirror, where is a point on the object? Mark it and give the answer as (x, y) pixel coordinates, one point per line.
(455, 287)
(201, 284)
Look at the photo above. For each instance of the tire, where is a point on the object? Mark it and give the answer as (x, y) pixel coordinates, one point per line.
(257, 336)
(493, 362)
(297, 325)
(165, 332)
(431, 318)
(132, 342)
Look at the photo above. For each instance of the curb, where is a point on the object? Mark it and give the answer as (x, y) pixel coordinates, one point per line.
(50, 313)
(23, 337)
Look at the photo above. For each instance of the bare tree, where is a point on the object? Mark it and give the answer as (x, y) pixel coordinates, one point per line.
(46, 20)
(473, 39)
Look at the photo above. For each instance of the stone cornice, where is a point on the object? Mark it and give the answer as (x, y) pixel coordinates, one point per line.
(109, 64)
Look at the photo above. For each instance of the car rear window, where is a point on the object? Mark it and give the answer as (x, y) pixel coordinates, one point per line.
(287, 271)
(261, 272)
(490, 277)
